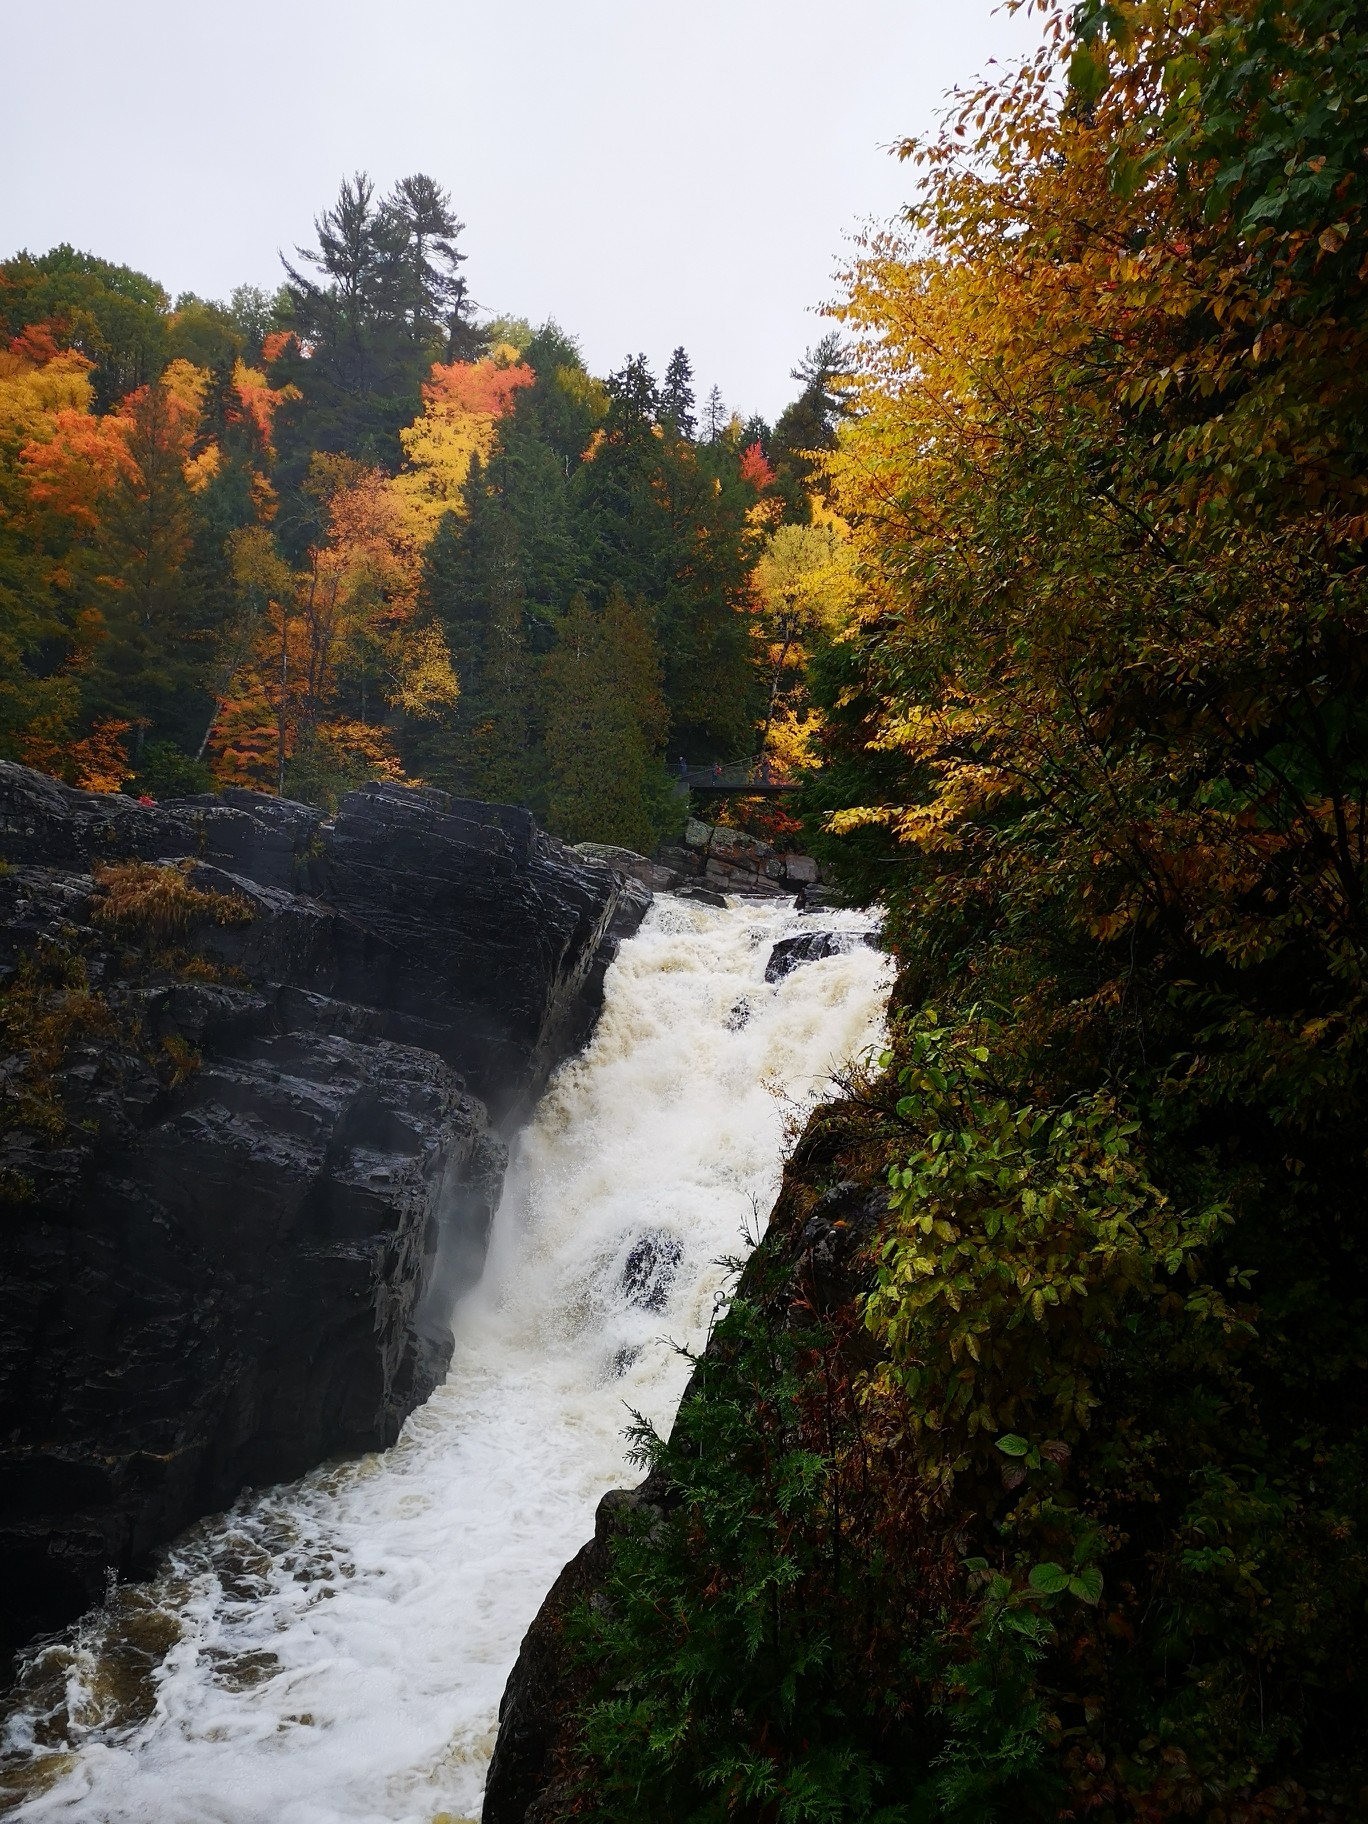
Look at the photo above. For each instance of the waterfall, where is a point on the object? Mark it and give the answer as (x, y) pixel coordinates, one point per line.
(335, 1649)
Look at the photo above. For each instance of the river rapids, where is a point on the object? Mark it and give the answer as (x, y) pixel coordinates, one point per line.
(333, 1651)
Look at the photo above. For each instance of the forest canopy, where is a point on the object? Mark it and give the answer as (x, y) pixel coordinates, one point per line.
(348, 532)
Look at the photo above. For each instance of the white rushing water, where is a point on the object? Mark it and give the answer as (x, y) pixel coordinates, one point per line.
(336, 1649)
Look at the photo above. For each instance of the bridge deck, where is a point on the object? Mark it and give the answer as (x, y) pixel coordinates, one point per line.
(746, 789)
(752, 778)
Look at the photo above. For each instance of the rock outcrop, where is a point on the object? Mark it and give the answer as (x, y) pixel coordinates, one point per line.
(813, 947)
(731, 861)
(246, 1167)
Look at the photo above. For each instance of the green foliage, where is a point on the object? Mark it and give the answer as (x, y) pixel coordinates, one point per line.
(1024, 1236)
(751, 1651)
(114, 316)
(165, 772)
(605, 721)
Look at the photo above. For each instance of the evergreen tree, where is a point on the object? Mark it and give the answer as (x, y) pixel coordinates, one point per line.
(384, 300)
(808, 426)
(715, 416)
(473, 589)
(503, 765)
(605, 725)
(677, 396)
(432, 295)
(665, 523)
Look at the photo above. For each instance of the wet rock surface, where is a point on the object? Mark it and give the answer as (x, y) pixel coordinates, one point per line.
(264, 1159)
(650, 1266)
(732, 861)
(811, 947)
(655, 875)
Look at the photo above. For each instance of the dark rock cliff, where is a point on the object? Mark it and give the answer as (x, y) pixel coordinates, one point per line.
(243, 1174)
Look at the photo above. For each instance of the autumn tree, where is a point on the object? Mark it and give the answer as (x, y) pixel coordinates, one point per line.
(803, 593)
(114, 316)
(42, 635)
(340, 652)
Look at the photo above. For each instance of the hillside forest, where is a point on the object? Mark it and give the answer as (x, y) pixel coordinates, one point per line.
(294, 542)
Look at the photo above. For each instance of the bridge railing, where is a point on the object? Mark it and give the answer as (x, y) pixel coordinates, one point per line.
(734, 775)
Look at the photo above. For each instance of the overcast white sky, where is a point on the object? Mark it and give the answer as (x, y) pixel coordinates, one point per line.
(647, 174)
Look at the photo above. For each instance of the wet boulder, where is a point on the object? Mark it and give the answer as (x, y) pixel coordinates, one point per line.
(812, 947)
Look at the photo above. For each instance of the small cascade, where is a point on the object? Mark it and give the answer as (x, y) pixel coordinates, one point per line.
(336, 1649)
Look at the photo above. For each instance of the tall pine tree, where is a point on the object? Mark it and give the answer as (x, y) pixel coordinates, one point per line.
(677, 396)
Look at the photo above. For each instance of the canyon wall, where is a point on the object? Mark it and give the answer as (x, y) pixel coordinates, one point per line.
(250, 1150)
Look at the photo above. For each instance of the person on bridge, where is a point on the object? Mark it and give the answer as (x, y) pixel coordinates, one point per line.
(717, 770)
(683, 769)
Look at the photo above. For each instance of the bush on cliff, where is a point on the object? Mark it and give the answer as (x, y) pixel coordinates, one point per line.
(1086, 1531)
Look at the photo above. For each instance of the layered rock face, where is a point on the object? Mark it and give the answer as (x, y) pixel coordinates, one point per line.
(730, 861)
(244, 1174)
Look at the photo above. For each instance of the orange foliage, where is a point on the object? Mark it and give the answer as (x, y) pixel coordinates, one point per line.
(258, 399)
(475, 386)
(78, 464)
(99, 763)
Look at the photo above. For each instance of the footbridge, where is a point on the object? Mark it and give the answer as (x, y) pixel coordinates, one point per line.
(754, 778)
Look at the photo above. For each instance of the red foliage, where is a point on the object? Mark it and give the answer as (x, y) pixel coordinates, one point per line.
(36, 342)
(755, 470)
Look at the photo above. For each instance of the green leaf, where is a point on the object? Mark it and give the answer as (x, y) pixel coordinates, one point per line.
(1013, 1446)
(1052, 1579)
(1085, 1584)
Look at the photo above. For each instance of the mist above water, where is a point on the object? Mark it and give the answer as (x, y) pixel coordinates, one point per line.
(336, 1649)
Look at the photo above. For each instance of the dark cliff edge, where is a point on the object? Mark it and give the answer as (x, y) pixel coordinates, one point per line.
(812, 1262)
(245, 1168)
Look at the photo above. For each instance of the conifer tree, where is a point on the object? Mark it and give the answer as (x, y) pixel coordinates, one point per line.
(677, 396)
(605, 724)
(715, 417)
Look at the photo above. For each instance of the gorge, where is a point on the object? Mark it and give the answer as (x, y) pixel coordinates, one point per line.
(337, 1648)
(257, 1064)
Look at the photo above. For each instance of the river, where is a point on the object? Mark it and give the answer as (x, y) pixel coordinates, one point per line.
(335, 1649)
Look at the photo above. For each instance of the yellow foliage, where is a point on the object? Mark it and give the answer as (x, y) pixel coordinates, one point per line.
(462, 405)
(200, 470)
(803, 589)
(32, 395)
(152, 900)
(424, 683)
